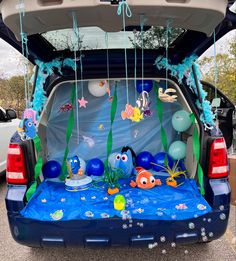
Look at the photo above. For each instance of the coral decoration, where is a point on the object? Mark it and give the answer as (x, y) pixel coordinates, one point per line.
(166, 95)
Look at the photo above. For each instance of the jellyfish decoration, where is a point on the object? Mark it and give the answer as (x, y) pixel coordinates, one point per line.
(30, 113)
(27, 127)
(181, 121)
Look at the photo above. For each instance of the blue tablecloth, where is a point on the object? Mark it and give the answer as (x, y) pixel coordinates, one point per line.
(52, 202)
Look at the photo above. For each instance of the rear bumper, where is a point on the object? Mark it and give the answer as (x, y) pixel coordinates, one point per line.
(116, 232)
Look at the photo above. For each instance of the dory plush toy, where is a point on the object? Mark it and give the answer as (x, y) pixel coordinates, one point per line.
(27, 129)
(144, 179)
(124, 161)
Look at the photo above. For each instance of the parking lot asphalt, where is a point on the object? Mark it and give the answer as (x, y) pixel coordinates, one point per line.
(223, 249)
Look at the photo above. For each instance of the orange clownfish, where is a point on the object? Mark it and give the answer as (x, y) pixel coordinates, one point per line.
(144, 179)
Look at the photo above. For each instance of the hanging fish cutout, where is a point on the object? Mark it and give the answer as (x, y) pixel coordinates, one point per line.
(148, 112)
(143, 101)
(167, 96)
(128, 112)
(66, 107)
(143, 104)
(137, 115)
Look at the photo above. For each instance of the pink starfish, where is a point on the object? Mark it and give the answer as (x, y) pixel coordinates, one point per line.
(82, 102)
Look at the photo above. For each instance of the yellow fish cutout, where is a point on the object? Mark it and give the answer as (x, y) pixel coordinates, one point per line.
(137, 115)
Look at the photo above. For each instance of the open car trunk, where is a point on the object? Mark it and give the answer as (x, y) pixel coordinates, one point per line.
(53, 202)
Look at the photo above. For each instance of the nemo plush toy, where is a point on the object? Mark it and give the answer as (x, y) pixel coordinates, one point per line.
(144, 179)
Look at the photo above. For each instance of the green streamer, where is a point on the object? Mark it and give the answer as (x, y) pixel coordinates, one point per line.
(37, 168)
(112, 118)
(196, 152)
(69, 130)
(160, 116)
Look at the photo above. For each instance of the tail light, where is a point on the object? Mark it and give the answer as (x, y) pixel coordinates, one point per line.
(16, 169)
(218, 164)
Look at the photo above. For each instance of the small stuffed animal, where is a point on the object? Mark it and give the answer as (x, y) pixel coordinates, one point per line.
(144, 180)
(125, 162)
(27, 129)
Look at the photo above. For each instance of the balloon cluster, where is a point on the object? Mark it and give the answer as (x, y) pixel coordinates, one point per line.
(181, 122)
(94, 167)
(147, 161)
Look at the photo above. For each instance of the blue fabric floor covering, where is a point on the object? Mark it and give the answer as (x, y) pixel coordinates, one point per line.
(52, 202)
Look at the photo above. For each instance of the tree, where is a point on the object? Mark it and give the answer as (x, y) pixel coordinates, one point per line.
(17, 93)
(225, 75)
(155, 37)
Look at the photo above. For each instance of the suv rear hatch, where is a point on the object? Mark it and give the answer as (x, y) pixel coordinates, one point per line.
(59, 88)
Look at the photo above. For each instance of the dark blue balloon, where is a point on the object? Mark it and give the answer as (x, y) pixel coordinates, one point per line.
(95, 167)
(144, 160)
(51, 169)
(159, 159)
(147, 85)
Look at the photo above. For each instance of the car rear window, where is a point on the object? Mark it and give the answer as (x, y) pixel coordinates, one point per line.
(92, 38)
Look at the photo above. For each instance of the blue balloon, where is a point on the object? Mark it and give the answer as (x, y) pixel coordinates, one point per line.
(95, 167)
(159, 159)
(177, 150)
(144, 160)
(51, 169)
(181, 120)
(147, 85)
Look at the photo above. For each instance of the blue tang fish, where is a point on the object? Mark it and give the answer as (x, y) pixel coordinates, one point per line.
(29, 128)
(124, 161)
(74, 164)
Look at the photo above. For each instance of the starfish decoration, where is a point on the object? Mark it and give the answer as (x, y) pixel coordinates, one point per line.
(82, 102)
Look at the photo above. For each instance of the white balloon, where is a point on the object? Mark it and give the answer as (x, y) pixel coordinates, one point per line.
(97, 88)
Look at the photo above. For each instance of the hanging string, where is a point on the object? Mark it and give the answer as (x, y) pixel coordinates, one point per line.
(167, 49)
(215, 66)
(76, 47)
(81, 73)
(108, 66)
(123, 8)
(135, 67)
(25, 51)
(142, 46)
